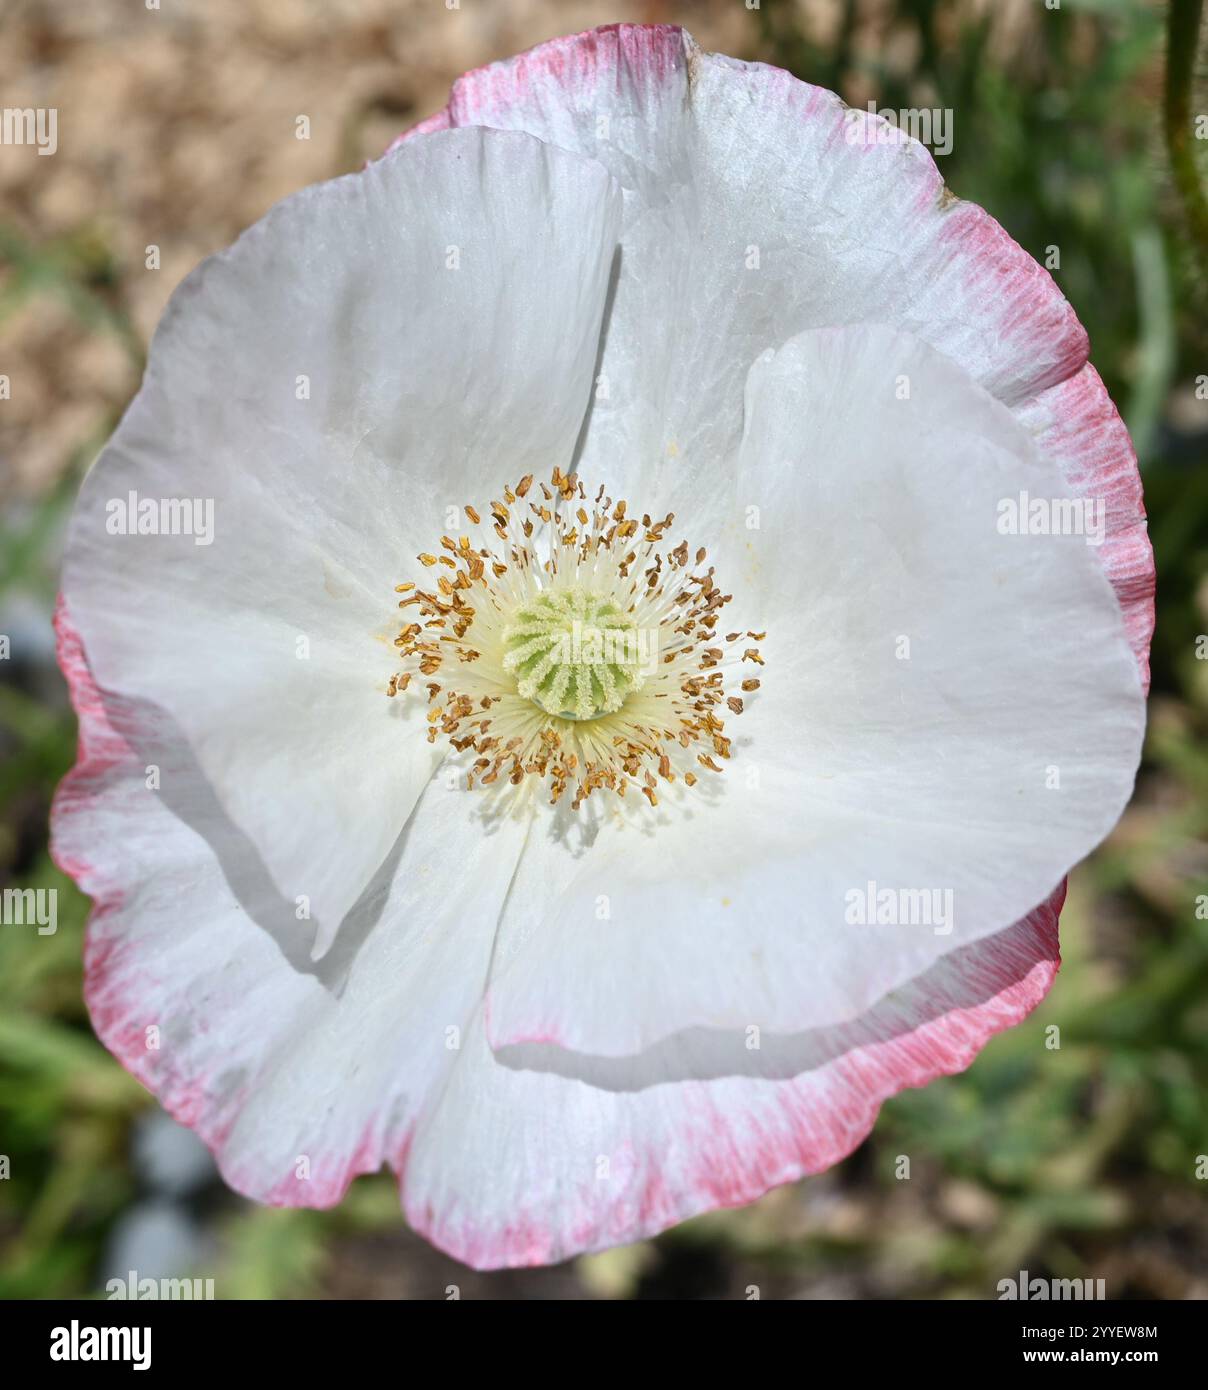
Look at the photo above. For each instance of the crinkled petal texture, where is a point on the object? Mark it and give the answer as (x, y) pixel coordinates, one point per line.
(833, 373)
(948, 713)
(525, 1155)
(392, 325)
(758, 206)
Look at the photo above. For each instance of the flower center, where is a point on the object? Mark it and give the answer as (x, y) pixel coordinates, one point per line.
(575, 653)
(565, 641)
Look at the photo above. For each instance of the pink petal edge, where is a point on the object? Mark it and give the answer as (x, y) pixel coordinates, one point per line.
(1076, 418)
(721, 1178)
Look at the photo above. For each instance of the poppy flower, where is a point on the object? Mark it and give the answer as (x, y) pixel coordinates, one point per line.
(596, 645)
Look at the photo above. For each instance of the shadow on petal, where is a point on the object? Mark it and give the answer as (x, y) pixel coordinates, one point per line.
(966, 980)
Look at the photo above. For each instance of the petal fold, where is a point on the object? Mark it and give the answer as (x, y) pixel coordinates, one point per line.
(321, 398)
(950, 717)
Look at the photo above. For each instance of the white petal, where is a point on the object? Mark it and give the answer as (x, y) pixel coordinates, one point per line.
(299, 1078)
(751, 215)
(442, 310)
(298, 1075)
(927, 773)
(575, 1153)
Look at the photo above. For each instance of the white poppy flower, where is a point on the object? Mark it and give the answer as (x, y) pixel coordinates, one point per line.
(390, 867)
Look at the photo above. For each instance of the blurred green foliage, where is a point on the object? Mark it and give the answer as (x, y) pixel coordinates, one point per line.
(1071, 1160)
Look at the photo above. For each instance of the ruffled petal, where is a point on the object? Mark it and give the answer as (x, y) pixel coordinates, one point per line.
(301, 1077)
(375, 352)
(757, 206)
(950, 715)
(384, 1050)
(1075, 424)
(852, 223)
(574, 1153)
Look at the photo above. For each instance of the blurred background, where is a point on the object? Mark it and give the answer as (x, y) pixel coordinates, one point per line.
(177, 127)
